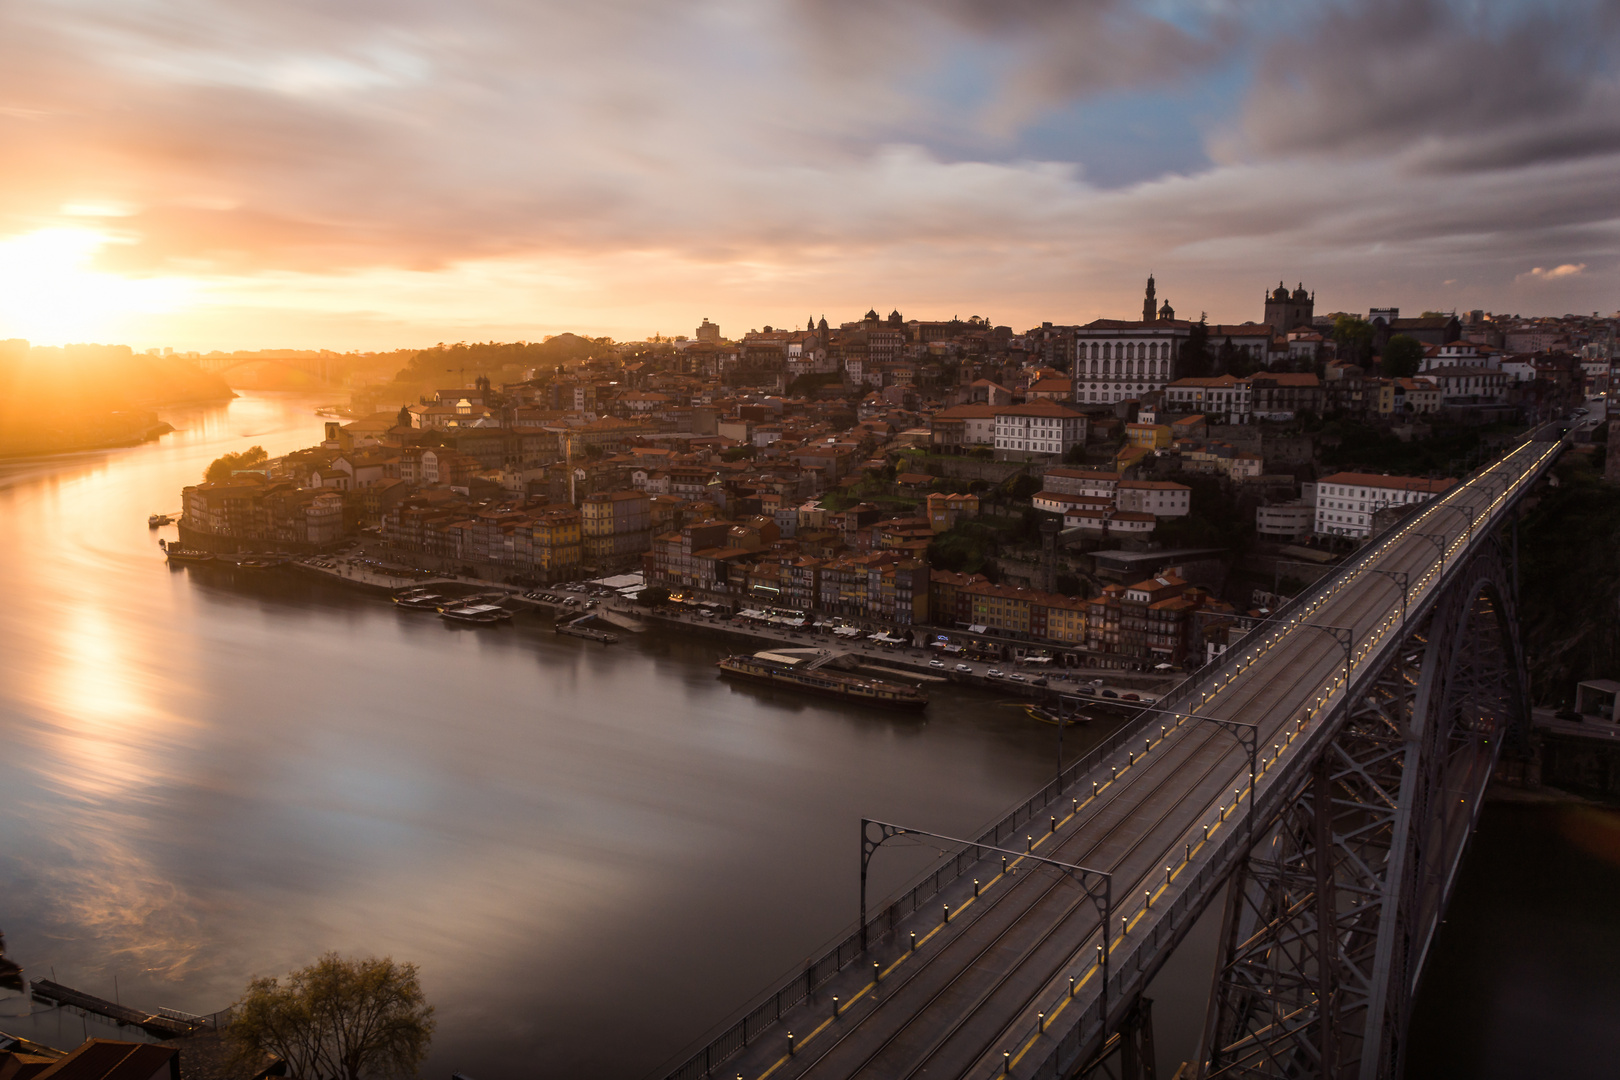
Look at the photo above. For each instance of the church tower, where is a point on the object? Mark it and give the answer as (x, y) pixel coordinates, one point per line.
(1149, 309)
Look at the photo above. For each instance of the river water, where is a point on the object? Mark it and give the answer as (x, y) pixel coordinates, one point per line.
(593, 854)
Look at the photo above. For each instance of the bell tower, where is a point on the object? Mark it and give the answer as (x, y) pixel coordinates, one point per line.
(1149, 309)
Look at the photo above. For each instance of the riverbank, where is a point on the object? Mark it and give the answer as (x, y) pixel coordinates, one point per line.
(30, 447)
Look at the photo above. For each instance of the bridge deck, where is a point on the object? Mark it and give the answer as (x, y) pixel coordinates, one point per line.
(968, 1001)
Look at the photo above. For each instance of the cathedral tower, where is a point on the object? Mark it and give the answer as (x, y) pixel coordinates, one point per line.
(1149, 309)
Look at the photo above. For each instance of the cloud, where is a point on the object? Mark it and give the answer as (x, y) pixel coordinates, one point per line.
(539, 164)
(1461, 87)
(1564, 270)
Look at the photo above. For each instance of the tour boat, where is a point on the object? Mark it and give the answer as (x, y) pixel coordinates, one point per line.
(176, 553)
(794, 669)
(1047, 716)
(482, 614)
(157, 520)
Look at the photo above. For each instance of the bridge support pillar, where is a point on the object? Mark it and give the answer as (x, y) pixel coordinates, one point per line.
(1328, 920)
(1128, 1053)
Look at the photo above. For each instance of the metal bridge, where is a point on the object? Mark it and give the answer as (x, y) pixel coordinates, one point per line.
(1319, 780)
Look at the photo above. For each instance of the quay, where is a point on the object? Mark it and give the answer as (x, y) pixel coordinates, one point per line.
(163, 1025)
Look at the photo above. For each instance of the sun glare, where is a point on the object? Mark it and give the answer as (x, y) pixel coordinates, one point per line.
(51, 294)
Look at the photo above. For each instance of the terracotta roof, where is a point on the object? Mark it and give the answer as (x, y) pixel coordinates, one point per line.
(1398, 483)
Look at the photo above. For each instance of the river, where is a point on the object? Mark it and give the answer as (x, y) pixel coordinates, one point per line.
(593, 854)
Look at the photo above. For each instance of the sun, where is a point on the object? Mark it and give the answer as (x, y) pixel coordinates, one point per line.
(51, 294)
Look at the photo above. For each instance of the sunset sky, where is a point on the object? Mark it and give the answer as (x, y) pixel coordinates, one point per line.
(223, 174)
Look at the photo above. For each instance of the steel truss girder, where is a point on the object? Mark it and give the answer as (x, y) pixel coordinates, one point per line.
(1329, 919)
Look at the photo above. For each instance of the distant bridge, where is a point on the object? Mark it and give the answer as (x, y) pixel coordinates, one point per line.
(1324, 774)
(328, 367)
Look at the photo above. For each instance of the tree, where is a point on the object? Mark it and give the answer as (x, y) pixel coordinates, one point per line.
(1403, 355)
(1195, 359)
(653, 596)
(339, 1018)
(1354, 337)
(222, 467)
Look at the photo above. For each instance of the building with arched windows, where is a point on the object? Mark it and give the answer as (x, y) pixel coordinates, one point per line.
(1118, 360)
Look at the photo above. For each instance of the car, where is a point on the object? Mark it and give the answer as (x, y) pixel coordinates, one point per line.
(1110, 693)
(965, 667)
(1088, 691)
(1018, 676)
(995, 673)
(1040, 682)
(937, 663)
(1129, 697)
(1569, 714)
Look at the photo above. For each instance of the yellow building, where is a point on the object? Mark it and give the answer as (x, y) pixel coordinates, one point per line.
(1148, 436)
(557, 548)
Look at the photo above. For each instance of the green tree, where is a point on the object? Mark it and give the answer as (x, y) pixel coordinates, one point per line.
(338, 1018)
(653, 596)
(222, 467)
(1403, 355)
(1354, 337)
(1195, 360)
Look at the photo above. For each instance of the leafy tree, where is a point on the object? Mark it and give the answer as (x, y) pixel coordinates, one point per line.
(1354, 337)
(1195, 360)
(222, 467)
(653, 596)
(1022, 486)
(1403, 355)
(1075, 455)
(338, 1018)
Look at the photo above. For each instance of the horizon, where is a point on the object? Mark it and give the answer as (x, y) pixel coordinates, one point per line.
(358, 180)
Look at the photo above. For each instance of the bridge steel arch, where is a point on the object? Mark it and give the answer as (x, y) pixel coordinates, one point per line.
(1330, 917)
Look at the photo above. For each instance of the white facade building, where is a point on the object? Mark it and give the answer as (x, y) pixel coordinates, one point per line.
(1346, 502)
(1224, 398)
(1118, 361)
(1038, 429)
(1161, 498)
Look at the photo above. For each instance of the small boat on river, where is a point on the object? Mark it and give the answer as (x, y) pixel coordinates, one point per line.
(157, 520)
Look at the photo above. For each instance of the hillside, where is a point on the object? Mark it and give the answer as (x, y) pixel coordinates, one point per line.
(77, 397)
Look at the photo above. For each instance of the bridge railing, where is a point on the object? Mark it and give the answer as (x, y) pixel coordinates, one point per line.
(767, 1011)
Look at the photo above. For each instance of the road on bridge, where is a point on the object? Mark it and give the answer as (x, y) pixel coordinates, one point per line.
(1013, 952)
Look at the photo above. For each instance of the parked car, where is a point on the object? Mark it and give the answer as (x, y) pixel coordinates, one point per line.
(1129, 697)
(937, 663)
(1039, 682)
(1018, 676)
(968, 668)
(1110, 693)
(995, 673)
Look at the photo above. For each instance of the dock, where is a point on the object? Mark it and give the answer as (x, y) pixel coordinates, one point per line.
(576, 628)
(162, 1025)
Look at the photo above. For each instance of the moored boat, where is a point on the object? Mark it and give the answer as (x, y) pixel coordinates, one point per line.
(478, 614)
(176, 553)
(156, 520)
(796, 669)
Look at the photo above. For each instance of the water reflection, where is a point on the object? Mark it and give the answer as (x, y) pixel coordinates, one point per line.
(210, 775)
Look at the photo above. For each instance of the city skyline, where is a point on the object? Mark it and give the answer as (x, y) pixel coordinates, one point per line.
(301, 178)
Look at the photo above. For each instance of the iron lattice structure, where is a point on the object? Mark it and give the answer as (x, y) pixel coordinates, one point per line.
(1328, 919)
